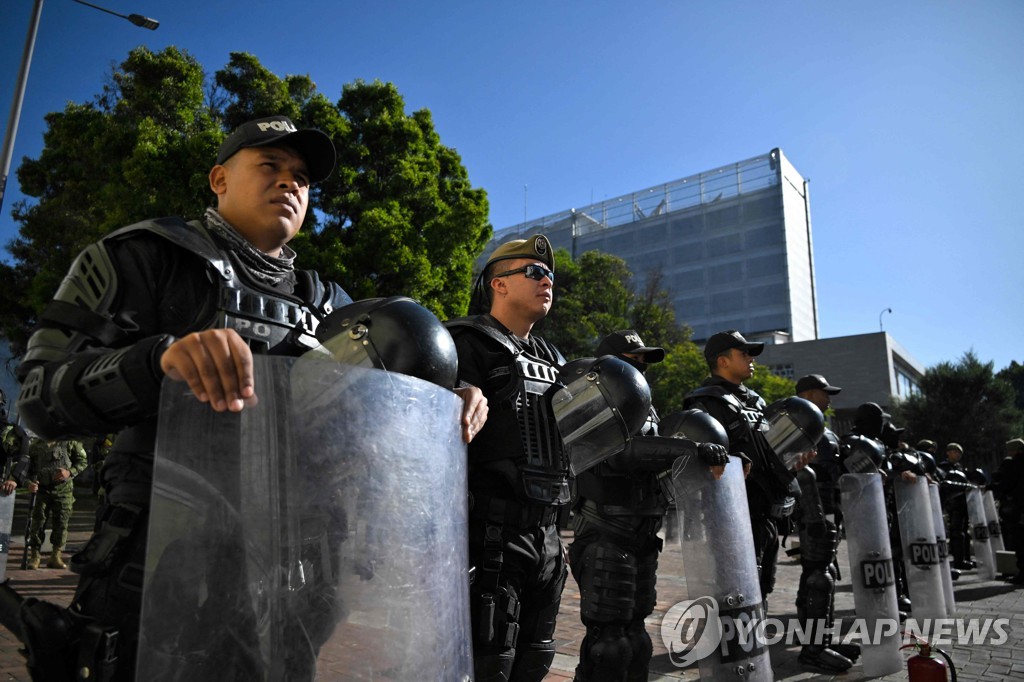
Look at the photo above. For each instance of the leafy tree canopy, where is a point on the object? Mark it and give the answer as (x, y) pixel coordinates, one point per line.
(962, 402)
(398, 216)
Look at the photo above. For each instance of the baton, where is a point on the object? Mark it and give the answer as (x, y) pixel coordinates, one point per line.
(28, 530)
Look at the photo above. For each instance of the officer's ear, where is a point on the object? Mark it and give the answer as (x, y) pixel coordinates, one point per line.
(218, 180)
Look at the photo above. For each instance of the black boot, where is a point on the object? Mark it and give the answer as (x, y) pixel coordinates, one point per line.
(824, 659)
(851, 651)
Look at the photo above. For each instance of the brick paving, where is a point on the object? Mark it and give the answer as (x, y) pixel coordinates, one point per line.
(975, 599)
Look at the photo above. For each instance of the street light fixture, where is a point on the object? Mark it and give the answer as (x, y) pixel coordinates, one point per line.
(19, 88)
(137, 19)
(887, 310)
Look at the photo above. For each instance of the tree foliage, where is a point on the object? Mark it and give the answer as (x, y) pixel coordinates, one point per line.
(398, 216)
(962, 402)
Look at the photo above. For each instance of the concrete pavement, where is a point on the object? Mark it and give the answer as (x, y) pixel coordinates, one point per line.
(975, 599)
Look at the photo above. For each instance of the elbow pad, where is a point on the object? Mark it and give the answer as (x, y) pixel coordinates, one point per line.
(94, 392)
(652, 453)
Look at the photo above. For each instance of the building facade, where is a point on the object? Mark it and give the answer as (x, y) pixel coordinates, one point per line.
(868, 367)
(732, 245)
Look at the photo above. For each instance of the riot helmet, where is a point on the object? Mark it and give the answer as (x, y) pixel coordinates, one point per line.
(396, 334)
(978, 476)
(869, 419)
(861, 455)
(604, 401)
(927, 462)
(697, 425)
(795, 426)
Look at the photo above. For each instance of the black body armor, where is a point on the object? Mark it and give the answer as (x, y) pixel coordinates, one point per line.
(520, 426)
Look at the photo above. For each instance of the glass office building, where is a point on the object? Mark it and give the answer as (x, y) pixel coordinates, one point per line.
(732, 246)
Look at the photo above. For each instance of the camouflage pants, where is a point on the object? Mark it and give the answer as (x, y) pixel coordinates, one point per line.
(53, 503)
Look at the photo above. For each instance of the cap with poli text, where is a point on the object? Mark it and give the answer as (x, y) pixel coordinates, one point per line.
(274, 131)
(723, 341)
(628, 341)
(812, 381)
(536, 247)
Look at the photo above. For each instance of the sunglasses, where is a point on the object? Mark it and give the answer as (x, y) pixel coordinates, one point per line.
(537, 272)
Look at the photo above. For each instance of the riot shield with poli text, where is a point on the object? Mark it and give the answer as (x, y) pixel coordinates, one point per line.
(995, 530)
(980, 543)
(920, 548)
(872, 572)
(320, 533)
(719, 562)
(945, 561)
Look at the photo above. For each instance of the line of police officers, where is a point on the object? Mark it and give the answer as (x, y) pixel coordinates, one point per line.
(189, 300)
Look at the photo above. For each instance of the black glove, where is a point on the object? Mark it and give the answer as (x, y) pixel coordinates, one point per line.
(712, 454)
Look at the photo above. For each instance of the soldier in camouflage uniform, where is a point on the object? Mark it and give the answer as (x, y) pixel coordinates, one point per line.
(54, 466)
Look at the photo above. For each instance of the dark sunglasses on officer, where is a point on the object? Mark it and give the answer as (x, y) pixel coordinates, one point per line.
(537, 272)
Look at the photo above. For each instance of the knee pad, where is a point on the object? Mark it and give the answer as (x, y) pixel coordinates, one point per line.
(533, 661)
(608, 652)
(643, 650)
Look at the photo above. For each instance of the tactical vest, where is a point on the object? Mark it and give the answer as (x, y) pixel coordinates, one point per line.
(746, 429)
(520, 424)
(270, 322)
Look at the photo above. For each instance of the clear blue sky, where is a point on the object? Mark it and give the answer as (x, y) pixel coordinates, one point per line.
(907, 117)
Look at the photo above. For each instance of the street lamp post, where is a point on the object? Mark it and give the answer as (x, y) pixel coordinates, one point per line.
(19, 88)
(886, 310)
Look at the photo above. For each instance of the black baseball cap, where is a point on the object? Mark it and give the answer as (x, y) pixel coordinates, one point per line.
(723, 341)
(273, 131)
(628, 341)
(812, 381)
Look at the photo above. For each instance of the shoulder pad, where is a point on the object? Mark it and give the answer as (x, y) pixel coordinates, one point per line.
(483, 325)
(191, 236)
(715, 393)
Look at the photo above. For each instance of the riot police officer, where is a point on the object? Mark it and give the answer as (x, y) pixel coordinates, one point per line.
(518, 473)
(189, 300)
(1008, 486)
(740, 410)
(819, 540)
(954, 487)
(619, 506)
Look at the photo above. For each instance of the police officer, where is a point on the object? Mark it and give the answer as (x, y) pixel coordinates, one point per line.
(518, 473)
(192, 301)
(740, 410)
(619, 507)
(1008, 487)
(819, 540)
(14, 445)
(954, 487)
(54, 465)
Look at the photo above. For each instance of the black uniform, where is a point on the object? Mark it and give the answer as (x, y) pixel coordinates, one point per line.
(954, 487)
(614, 558)
(770, 486)
(518, 483)
(1008, 487)
(93, 367)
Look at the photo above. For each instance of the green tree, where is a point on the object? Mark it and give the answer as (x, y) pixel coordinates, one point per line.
(1013, 374)
(399, 215)
(683, 370)
(962, 401)
(129, 154)
(769, 386)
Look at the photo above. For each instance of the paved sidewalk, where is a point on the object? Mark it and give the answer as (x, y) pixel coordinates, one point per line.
(975, 598)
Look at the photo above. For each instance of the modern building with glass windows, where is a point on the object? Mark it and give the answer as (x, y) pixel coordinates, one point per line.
(732, 245)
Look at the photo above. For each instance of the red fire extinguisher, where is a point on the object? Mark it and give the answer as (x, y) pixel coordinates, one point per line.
(924, 667)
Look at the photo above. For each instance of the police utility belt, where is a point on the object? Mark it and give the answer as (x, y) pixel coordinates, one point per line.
(501, 511)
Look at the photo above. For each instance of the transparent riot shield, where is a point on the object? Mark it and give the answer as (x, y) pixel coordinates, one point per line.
(871, 572)
(718, 562)
(995, 530)
(318, 534)
(980, 543)
(920, 548)
(6, 521)
(945, 561)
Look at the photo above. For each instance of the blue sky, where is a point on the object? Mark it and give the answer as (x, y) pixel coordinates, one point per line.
(906, 117)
